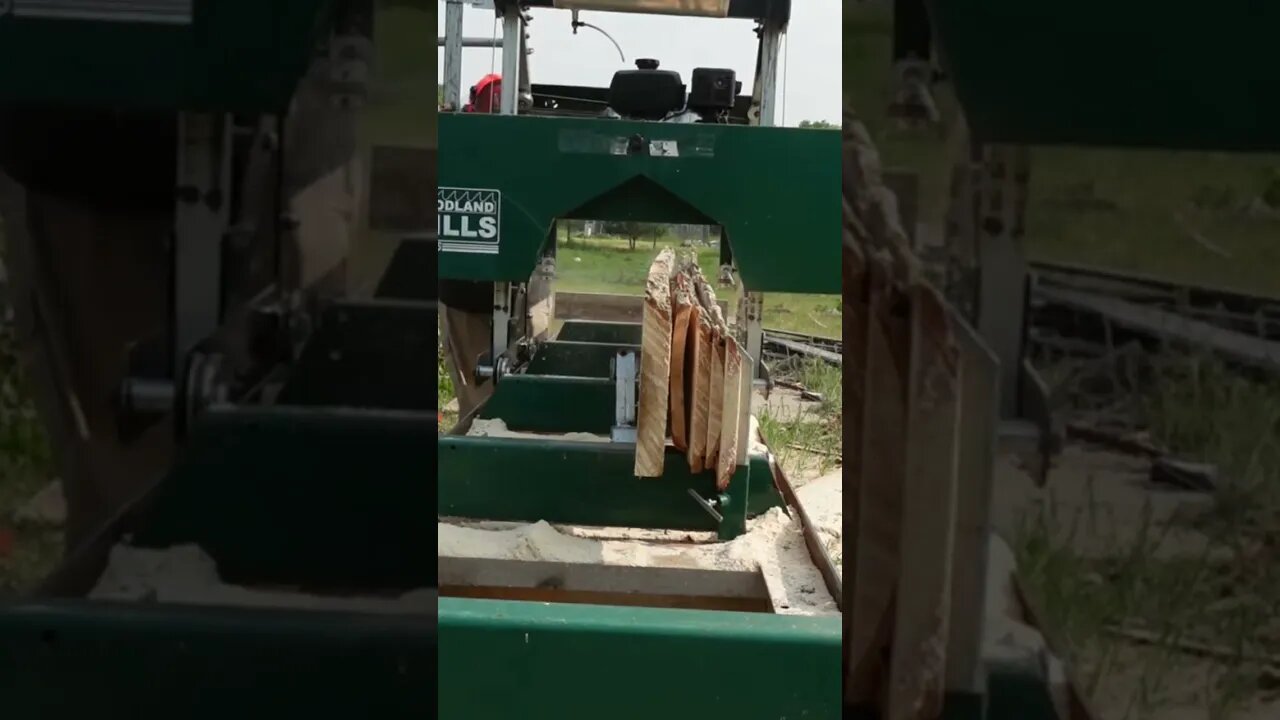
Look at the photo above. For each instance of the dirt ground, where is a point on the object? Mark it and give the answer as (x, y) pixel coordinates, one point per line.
(1101, 504)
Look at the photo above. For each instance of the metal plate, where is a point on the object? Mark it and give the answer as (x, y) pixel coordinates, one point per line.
(583, 661)
(167, 12)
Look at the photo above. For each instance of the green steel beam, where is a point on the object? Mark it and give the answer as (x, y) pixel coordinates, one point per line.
(1128, 74)
(578, 359)
(599, 331)
(314, 497)
(552, 404)
(70, 658)
(236, 56)
(525, 480)
(775, 191)
(585, 661)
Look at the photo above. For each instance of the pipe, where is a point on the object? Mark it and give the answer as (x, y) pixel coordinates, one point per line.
(474, 42)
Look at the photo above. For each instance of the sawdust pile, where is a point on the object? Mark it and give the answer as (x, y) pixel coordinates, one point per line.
(773, 546)
(185, 574)
(497, 428)
(823, 501)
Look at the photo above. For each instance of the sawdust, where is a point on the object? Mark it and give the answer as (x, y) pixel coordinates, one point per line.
(823, 501)
(497, 428)
(772, 545)
(185, 574)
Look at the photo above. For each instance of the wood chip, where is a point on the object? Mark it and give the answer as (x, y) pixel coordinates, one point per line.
(731, 415)
(655, 368)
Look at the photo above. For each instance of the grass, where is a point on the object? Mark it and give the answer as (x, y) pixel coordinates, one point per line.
(808, 443)
(607, 265)
(1226, 593)
(26, 552)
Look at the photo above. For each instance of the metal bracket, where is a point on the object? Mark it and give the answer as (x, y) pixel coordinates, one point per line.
(203, 218)
(708, 505)
(626, 377)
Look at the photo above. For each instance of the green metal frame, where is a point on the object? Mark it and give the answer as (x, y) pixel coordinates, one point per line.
(1128, 74)
(236, 56)
(585, 661)
(583, 482)
(772, 190)
(581, 359)
(599, 331)
(587, 483)
(312, 497)
(69, 658)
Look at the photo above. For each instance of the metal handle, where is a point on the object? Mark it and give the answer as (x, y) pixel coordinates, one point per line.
(706, 505)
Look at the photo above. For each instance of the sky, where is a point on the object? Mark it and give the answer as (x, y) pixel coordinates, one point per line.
(809, 72)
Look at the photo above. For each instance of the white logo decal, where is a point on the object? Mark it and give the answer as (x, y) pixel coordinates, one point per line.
(469, 220)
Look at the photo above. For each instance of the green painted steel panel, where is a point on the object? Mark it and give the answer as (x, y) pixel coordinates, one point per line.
(551, 404)
(599, 331)
(314, 497)
(236, 55)
(584, 483)
(580, 359)
(776, 191)
(584, 661)
(78, 659)
(1098, 72)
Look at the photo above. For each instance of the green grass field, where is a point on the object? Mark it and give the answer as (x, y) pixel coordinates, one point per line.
(607, 265)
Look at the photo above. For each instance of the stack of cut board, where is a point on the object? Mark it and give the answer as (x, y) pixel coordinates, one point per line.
(691, 374)
(922, 410)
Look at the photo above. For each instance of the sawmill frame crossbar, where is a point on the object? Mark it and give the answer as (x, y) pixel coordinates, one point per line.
(590, 483)
(782, 666)
(360, 664)
(786, 182)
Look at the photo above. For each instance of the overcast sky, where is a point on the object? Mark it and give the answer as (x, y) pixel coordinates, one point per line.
(810, 71)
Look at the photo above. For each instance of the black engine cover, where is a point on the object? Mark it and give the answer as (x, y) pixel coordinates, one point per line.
(646, 93)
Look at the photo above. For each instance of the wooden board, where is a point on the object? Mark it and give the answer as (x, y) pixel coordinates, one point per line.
(879, 493)
(980, 408)
(715, 395)
(655, 368)
(683, 301)
(929, 486)
(699, 364)
(731, 415)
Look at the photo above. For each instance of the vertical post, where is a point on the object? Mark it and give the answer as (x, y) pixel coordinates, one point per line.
(453, 15)
(501, 319)
(512, 45)
(767, 73)
(203, 209)
(929, 491)
(1003, 272)
(980, 408)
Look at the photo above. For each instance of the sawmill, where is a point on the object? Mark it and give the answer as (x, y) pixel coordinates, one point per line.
(612, 492)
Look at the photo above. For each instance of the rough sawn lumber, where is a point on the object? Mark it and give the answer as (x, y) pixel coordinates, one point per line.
(655, 368)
